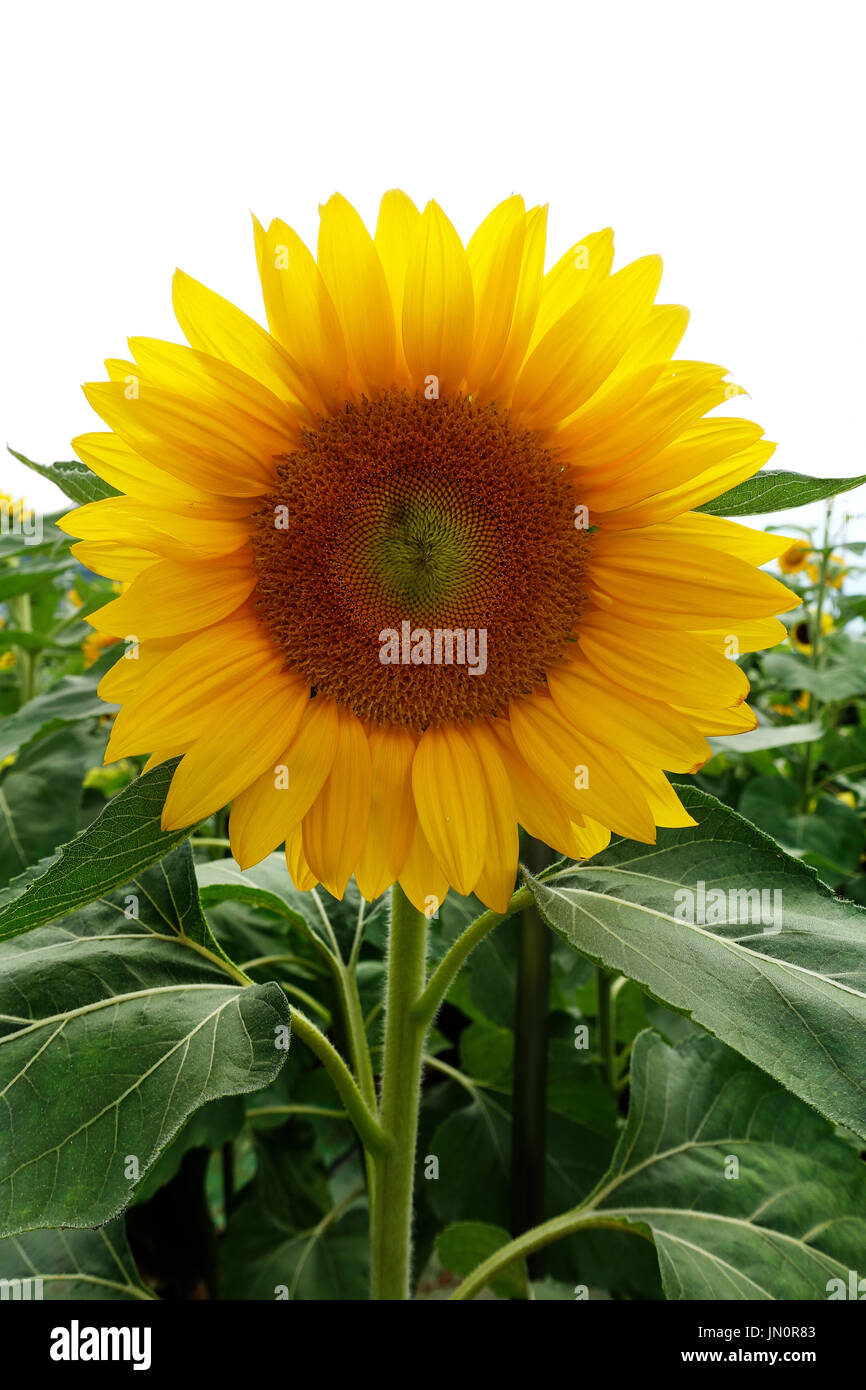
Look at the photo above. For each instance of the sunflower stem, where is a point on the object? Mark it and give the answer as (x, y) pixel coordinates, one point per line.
(446, 972)
(21, 615)
(369, 1130)
(391, 1227)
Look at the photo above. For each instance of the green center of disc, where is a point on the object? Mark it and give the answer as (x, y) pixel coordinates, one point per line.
(421, 554)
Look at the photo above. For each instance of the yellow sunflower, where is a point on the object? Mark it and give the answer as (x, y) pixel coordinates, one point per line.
(795, 558)
(421, 562)
(800, 633)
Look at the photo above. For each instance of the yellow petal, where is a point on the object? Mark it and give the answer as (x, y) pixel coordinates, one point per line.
(584, 267)
(495, 884)
(660, 663)
(176, 692)
(352, 271)
(212, 324)
(301, 315)
(300, 872)
(119, 464)
(123, 562)
(450, 791)
(396, 226)
(526, 301)
(392, 811)
(171, 597)
(583, 347)
(620, 718)
(235, 752)
(495, 255)
(183, 437)
(263, 815)
(421, 877)
(438, 307)
(591, 778)
(336, 824)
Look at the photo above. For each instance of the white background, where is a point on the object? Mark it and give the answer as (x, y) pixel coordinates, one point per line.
(728, 137)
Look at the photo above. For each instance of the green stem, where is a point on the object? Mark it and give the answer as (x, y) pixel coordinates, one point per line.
(529, 1122)
(369, 1130)
(424, 1009)
(324, 1111)
(401, 1095)
(21, 615)
(359, 1051)
(537, 1239)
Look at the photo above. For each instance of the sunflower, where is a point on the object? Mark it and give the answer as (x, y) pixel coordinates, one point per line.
(835, 573)
(421, 563)
(800, 633)
(795, 558)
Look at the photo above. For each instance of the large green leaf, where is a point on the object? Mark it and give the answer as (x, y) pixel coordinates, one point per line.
(124, 839)
(747, 1193)
(792, 1000)
(73, 477)
(773, 489)
(40, 797)
(68, 702)
(95, 1265)
(115, 1026)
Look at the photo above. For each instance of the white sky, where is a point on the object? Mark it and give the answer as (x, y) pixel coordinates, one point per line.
(727, 137)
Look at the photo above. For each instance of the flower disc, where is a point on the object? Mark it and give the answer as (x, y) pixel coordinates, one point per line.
(405, 515)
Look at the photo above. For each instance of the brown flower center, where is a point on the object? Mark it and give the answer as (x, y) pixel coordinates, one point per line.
(421, 561)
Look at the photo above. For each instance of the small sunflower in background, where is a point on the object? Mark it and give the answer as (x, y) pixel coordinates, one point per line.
(800, 633)
(795, 559)
(836, 572)
(429, 438)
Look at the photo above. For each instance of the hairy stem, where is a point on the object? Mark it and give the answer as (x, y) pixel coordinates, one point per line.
(369, 1130)
(391, 1230)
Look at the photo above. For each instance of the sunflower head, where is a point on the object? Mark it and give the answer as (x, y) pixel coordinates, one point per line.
(420, 562)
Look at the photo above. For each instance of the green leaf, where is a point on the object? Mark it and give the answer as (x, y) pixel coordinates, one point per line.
(268, 885)
(768, 736)
(124, 839)
(68, 702)
(286, 1239)
(73, 478)
(838, 680)
(23, 579)
(93, 1265)
(115, 1026)
(466, 1244)
(792, 1000)
(473, 1146)
(217, 1123)
(773, 489)
(40, 798)
(575, 1087)
(746, 1192)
